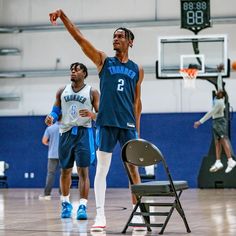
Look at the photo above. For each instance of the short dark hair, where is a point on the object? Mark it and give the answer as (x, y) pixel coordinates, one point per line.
(128, 33)
(82, 67)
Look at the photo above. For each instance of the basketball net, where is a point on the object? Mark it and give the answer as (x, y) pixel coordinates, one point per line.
(189, 76)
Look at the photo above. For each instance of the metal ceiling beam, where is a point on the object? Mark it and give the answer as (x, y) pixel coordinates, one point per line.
(54, 73)
(9, 97)
(9, 51)
(102, 25)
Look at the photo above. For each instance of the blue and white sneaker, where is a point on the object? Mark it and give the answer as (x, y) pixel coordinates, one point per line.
(66, 210)
(81, 213)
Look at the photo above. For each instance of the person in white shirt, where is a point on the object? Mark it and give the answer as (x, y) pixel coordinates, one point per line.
(219, 124)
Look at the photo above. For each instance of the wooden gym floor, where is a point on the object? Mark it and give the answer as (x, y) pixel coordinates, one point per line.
(210, 212)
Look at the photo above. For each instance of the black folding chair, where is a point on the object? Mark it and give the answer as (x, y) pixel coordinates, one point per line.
(159, 194)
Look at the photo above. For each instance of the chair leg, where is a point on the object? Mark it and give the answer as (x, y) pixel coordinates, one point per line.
(146, 218)
(167, 220)
(178, 207)
(131, 217)
(125, 228)
(145, 209)
(127, 224)
(181, 212)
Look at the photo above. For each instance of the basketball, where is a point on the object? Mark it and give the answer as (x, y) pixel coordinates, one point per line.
(234, 65)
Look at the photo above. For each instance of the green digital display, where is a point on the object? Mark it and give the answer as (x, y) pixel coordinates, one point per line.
(195, 14)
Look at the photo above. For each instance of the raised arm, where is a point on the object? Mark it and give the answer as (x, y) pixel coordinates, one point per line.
(90, 51)
(138, 102)
(219, 78)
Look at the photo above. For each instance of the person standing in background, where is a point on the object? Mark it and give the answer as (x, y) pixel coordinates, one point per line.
(51, 139)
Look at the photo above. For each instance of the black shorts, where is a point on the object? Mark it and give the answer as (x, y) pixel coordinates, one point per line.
(79, 148)
(219, 128)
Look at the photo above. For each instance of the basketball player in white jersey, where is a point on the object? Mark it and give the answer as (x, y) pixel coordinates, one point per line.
(74, 105)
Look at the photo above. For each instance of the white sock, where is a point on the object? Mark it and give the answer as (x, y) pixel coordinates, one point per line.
(230, 160)
(65, 198)
(103, 165)
(83, 201)
(218, 161)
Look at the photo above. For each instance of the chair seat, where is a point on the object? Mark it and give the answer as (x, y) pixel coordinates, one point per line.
(154, 187)
(162, 195)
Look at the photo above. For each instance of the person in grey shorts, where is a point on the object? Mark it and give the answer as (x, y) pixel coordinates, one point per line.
(51, 139)
(219, 125)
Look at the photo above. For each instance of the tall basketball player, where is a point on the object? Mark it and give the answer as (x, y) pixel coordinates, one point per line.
(74, 105)
(120, 104)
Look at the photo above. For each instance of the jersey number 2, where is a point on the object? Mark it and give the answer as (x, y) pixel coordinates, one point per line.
(120, 86)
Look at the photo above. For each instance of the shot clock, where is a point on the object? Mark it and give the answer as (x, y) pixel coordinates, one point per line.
(195, 14)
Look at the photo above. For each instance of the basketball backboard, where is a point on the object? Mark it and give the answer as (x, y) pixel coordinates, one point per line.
(205, 52)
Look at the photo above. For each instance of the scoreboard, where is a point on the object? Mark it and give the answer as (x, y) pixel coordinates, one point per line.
(195, 14)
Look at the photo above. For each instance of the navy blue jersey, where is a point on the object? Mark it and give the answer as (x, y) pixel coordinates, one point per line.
(117, 87)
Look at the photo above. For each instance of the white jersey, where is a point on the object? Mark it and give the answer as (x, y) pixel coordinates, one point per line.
(218, 108)
(71, 103)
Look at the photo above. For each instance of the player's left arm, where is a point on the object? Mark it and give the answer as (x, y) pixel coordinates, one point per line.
(45, 138)
(208, 115)
(56, 110)
(96, 99)
(137, 101)
(95, 102)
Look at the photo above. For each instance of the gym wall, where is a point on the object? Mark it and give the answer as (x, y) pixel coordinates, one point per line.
(168, 110)
(183, 147)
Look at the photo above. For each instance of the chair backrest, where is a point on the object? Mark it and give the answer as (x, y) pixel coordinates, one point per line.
(140, 152)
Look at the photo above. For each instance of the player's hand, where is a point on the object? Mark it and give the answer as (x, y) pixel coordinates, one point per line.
(196, 124)
(54, 15)
(85, 113)
(49, 120)
(220, 67)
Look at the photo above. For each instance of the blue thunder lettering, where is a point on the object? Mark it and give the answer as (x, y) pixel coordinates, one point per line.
(122, 70)
(74, 97)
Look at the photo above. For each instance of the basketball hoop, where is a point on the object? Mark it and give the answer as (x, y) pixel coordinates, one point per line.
(189, 76)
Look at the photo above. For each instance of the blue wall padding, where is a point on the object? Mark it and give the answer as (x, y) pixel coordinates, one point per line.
(183, 147)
